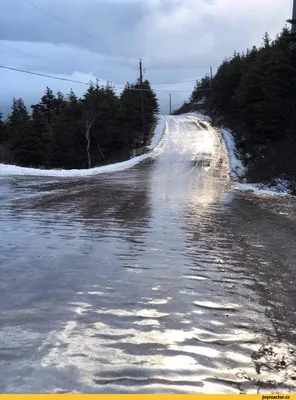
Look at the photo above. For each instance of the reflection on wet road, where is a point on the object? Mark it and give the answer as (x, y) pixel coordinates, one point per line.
(157, 279)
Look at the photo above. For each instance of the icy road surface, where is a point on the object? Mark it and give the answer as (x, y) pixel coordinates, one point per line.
(158, 278)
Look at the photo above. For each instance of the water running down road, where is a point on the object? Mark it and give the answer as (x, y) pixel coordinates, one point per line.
(161, 278)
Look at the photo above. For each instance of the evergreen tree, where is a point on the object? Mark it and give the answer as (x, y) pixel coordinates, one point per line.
(135, 126)
(2, 129)
(24, 141)
(101, 123)
(69, 149)
(254, 93)
(49, 105)
(131, 116)
(5, 153)
(266, 40)
(150, 104)
(201, 90)
(68, 132)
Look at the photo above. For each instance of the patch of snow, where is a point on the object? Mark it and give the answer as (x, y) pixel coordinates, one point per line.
(238, 170)
(158, 133)
(236, 166)
(260, 189)
(281, 185)
(6, 169)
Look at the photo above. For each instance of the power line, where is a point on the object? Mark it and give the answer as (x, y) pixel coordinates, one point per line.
(32, 55)
(83, 82)
(43, 75)
(160, 91)
(157, 90)
(81, 31)
(64, 21)
(174, 91)
(67, 67)
(175, 83)
(60, 19)
(84, 32)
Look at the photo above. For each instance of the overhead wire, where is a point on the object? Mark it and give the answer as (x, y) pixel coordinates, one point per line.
(67, 67)
(60, 65)
(80, 82)
(81, 31)
(175, 83)
(61, 20)
(43, 75)
(33, 55)
(66, 22)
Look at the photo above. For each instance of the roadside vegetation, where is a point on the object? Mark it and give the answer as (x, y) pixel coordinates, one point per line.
(64, 131)
(254, 94)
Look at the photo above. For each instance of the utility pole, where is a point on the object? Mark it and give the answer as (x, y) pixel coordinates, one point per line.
(142, 100)
(170, 103)
(141, 72)
(294, 17)
(211, 79)
(293, 20)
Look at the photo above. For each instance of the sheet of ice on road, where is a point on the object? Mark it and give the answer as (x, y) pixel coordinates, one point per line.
(156, 279)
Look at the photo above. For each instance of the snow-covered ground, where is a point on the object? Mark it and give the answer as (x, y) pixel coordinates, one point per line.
(15, 170)
(279, 190)
(158, 134)
(238, 171)
(236, 166)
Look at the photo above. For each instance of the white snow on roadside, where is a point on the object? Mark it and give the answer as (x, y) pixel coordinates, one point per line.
(238, 170)
(6, 169)
(158, 134)
(260, 189)
(236, 166)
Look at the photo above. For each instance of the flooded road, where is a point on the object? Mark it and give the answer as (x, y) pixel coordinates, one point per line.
(158, 279)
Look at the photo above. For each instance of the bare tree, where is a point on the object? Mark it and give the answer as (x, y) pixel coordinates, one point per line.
(89, 116)
(93, 109)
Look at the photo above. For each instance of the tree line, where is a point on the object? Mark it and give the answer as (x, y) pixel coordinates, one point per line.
(254, 94)
(65, 131)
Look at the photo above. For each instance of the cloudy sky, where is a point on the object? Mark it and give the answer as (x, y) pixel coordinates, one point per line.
(178, 41)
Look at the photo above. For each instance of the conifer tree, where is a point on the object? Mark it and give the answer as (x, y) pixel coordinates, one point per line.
(2, 129)
(26, 145)
(254, 94)
(69, 132)
(134, 131)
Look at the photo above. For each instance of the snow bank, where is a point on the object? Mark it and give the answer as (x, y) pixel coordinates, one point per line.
(158, 133)
(263, 189)
(236, 166)
(15, 170)
(238, 170)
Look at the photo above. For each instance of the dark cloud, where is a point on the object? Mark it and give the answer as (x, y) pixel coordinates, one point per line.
(177, 39)
(105, 22)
